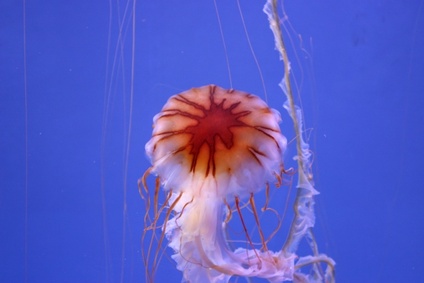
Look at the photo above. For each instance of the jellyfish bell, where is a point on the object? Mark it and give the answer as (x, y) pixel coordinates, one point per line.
(209, 134)
(210, 147)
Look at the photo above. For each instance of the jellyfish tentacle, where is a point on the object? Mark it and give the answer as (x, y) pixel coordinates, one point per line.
(304, 218)
(162, 235)
(237, 200)
(255, 214)
(229, 211)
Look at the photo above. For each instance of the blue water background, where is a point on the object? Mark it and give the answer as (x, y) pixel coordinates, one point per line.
(359, 69)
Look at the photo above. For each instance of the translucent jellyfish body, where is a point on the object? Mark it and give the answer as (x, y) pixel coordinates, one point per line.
(210, 147)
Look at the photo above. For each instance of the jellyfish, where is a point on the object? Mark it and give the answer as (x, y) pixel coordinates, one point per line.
(211, 147)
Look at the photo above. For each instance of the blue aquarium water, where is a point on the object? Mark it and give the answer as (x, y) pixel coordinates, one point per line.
(70, 209)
